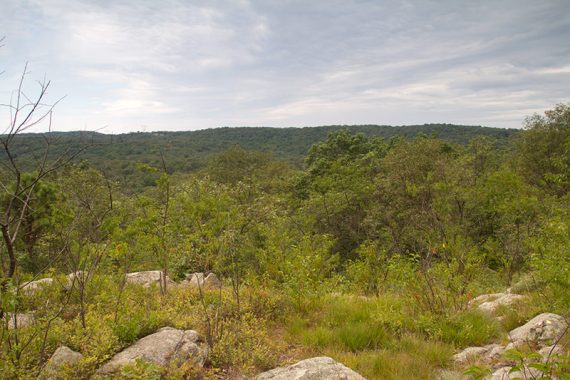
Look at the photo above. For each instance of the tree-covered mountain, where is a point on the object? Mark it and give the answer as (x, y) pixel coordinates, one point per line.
(119, 155)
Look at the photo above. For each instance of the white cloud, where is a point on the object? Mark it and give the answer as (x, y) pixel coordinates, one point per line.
(187, 64)
(555, 70)
(137, 98)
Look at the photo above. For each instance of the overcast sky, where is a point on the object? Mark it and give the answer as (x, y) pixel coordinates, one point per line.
(138, 65)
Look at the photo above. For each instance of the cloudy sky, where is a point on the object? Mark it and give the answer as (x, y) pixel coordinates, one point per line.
(136, 65)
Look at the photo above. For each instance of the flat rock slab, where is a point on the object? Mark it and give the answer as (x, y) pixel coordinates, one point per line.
(320, 368)
(541, 331)
(165, 346)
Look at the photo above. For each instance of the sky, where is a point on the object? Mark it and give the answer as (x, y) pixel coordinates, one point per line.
(148, 65)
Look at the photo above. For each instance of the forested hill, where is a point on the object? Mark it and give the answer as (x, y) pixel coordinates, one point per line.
(118, 155)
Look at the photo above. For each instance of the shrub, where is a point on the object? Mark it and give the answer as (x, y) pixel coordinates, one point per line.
(244, 343)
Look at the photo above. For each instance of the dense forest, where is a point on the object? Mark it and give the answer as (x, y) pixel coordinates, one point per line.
(372, 250)
(120, 156)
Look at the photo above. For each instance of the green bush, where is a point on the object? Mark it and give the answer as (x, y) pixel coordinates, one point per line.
(244, 343)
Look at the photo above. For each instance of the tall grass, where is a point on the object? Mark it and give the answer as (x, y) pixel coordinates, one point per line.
(377, 337)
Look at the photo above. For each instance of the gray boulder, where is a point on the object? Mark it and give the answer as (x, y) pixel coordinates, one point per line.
(147, 278)
(192, 280)
(541, 331)
(166, 346)
(195, 279)
(198, 279)
(62, 356)
(485, 354)
(527, 371)
(212, 282)
(549, 351)
(33, 286)
(320, 368)
(491, 302)
(20, 320)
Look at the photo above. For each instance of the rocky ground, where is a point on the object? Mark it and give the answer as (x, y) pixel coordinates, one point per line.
(169, 346)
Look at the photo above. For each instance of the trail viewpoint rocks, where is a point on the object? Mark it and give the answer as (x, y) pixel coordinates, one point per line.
(319, 368)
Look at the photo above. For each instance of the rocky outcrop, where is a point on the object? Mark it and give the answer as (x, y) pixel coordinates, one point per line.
(541, 331)
(63, 356)
(20, 320)
(491, 302)
(34, 286)
(485, 354)
(320, 368)
(147, 278)
(166, 346)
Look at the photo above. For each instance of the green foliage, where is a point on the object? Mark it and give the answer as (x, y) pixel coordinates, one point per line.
(244, 344)
(369, 254)
(141, 371)
(550, 258)
(544, 150)
(306, 268)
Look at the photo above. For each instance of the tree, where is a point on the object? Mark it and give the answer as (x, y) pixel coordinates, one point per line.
(158, 227)
(25, 112)
(506, 214)
(337, 186)
(543, 150)
(88, 202)
(38, 221)
(21, 183)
